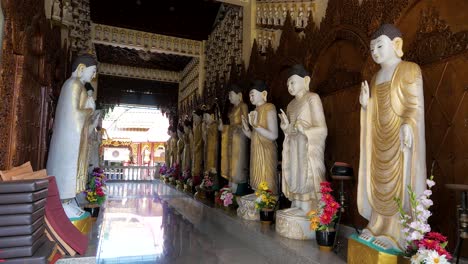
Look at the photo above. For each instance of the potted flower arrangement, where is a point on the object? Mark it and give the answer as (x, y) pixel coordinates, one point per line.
(265, 203)
(421, 245)
(206, 187)
(95, 193)
(224, 197)
(323, 219)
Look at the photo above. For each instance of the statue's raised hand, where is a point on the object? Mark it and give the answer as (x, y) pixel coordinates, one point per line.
(364, 96)
(245, 126)
(406, 137)
(220, 125)
(284, 120)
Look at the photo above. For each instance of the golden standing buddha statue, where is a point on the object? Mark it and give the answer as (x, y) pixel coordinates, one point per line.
(210, 137)
(392, 140)
(197, 149)
(263, 149)
(234, 143)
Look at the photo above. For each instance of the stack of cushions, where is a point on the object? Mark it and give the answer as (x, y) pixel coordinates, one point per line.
(22, 210)
(55, 226)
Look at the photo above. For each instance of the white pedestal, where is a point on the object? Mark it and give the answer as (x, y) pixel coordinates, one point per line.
(246, 208)
(292, 224)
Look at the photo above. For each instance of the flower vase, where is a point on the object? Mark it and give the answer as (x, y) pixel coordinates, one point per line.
(325, 239)
(266, 215)
(210, 195)
(93, 209)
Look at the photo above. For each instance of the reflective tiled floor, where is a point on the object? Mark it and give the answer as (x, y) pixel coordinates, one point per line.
(150, 222)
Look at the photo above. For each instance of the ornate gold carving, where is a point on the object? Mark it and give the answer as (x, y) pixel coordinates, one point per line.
(224, 43)
(138, 73)
(127, 38)
(434, 39)
(189, 79)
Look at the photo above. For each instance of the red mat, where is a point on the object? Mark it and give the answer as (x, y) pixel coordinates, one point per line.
(60, 222)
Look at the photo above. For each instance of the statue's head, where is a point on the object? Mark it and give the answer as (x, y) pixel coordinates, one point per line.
(298, 80)
(386, 44)
(187, 125)
(85, 67)
(258, 92)
(235, 94)
(171, 130)
(180, 130)
(197, 116)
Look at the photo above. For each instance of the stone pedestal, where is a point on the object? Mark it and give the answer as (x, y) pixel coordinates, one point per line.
(246, 208)
(292, 225)
(360, 251)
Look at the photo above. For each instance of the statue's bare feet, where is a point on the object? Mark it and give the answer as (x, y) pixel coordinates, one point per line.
(385, 243)
(366, 235)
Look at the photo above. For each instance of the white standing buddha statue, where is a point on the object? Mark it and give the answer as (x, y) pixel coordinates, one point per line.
(305, 131)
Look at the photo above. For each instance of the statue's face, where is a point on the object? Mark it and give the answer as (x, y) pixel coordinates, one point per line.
(88, 73)
(296, 84)
(196, 119)
(256, 97)
(382, 49)
(234, 98)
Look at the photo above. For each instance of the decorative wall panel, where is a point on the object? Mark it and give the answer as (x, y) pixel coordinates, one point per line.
(33, 69)
(336, 53)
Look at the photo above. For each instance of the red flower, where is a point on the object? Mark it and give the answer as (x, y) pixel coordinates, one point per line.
(325, 184)
(428, 243)
(436, 236)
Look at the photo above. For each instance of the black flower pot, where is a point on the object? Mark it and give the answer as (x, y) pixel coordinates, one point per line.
(325, 239)
(266, 216)
(94, 210)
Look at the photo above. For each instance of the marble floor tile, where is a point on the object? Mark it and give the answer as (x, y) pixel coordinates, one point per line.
(151, 222)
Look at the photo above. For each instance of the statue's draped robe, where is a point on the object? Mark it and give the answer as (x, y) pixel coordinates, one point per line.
(263, 152)
(234, 147)
(174, 150)
(382, 175)
(197, 150)
(180, 150)
(303, 153)
(211, 147)
(187, 152)
(70, 116)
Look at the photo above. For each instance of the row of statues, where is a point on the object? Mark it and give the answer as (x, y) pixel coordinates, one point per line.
(392, 142)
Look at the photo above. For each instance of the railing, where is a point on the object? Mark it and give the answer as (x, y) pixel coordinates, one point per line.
(131, 173)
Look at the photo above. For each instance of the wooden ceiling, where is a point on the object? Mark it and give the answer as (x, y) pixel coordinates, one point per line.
(190, 19)
(141, 59)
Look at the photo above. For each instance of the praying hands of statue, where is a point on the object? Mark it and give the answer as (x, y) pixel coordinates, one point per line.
(245, 127)
(364, 96)
(284, 121)
(253, 118)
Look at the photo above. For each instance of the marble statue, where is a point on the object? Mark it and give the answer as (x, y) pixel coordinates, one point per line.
(180, 144)
(305, 131)
(210, 137)
(392, 139)
(197, 149)
(263, 135)
(303, 165)
(188, 143)
(67, 14)
(234, 143)
(70, 116)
